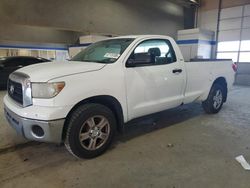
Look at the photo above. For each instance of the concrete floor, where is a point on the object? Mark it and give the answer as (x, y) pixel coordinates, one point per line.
(183, 148)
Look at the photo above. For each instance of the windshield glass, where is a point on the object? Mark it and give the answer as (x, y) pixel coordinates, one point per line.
(107, 51)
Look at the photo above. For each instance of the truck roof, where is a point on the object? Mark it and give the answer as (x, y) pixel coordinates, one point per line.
(141, 36)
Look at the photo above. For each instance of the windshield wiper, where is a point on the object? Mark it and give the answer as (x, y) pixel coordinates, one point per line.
(104, 61)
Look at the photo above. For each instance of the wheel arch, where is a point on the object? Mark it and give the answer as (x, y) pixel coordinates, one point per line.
(109, 101)
(222, 81)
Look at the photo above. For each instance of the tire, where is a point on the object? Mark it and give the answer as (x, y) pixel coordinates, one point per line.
(214, 102)
(91, 130)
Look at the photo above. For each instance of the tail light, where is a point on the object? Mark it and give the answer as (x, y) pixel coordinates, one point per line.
(234, 66)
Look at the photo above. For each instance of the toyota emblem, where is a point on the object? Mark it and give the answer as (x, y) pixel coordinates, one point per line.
(12, 89)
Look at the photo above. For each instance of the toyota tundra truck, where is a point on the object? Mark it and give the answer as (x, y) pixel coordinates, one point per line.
(84, 101)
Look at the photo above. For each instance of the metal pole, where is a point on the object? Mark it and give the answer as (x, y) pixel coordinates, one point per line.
(218, 27)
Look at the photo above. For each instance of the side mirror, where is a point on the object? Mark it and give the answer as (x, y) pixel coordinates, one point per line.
(140, 59)
(1, 67)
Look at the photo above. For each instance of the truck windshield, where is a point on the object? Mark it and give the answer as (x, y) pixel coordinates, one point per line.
(107, 51)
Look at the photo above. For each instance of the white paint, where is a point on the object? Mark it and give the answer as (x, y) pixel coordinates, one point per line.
(247, 10)
(246, 22)
(230, 24)
(208, 19)
(232, 12)
(139, 90)
(230, 35)
(243, 162)
(245, 34)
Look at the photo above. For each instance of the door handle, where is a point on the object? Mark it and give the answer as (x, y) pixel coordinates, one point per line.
(177, 71)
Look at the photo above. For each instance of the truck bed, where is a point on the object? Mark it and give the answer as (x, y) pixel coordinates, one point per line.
(198, 72)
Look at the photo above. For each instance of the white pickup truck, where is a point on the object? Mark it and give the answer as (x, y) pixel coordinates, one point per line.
(82, 102)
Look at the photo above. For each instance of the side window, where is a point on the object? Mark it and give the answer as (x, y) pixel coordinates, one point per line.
(160, 50)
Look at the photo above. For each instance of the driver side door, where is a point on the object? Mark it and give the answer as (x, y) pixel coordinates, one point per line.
(155, 86)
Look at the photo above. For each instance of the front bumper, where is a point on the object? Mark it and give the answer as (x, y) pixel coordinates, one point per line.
(49, 131)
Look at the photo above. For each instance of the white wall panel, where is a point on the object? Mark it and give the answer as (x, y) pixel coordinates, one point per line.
(247, 10)
(230, 24)
(186, 52)
(246, 22)
(208, 19)
(245, 34)
(233, 12)
(230, 35)
(188, 36)
(204, 51)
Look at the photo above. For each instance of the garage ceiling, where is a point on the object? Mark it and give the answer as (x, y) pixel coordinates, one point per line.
(70, 15)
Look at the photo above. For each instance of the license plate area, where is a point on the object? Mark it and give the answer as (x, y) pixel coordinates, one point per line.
(14, 122)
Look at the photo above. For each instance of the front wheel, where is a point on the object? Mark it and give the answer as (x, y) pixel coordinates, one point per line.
(214, 102)
(90, 131)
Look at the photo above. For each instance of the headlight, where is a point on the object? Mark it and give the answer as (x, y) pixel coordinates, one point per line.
(46, 90)
(27, 99)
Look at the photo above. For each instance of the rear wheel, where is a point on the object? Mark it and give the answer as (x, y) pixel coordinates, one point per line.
(90, 131)
(214, 102)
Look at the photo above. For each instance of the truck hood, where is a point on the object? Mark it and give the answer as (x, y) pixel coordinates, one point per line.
(44, 72)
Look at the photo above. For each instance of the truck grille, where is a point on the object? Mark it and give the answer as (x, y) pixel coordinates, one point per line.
(15, 91)
(19, 88)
